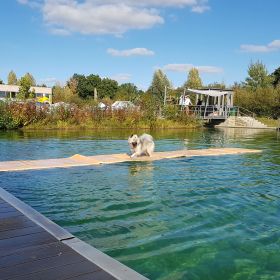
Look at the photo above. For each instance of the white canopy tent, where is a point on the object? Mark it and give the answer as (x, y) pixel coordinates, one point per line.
(219, 98)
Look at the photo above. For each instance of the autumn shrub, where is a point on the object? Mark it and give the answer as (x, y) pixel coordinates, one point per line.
(15, 115)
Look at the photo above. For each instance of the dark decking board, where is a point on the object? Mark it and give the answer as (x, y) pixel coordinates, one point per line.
(29, 251)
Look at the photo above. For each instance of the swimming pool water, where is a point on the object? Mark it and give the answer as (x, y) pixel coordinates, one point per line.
(193, 218)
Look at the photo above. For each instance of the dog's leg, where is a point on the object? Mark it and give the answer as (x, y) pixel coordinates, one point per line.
(150, 149)
(133, 155)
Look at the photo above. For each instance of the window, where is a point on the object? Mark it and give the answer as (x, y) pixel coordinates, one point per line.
(2, 94)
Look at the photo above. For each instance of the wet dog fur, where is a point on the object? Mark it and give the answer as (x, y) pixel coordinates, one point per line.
(141, 146)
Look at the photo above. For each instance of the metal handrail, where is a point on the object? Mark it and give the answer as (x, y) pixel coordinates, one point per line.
(247, 114)
(209, 111)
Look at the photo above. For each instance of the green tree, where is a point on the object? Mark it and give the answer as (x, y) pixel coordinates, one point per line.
(276, 77)
(24, 89)
(84, 86)
(258, 76)
(217, 85)
(93, 83)
(12, 78)
(159, 84)
(107, 88)
(1, 81)
(77, 84)
(127, 91)
(194, 80)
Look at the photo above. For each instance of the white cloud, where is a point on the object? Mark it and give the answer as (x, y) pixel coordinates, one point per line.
(188, 67)
(30, 3)
(154, 3)
(131, 52)
(89, 18)
(200, 9)
(271, 47)
(107, 16)
(274, 44)
(122, 77)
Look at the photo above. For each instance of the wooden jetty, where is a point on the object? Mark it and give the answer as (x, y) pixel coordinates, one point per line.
(33, 247)
(80, 160)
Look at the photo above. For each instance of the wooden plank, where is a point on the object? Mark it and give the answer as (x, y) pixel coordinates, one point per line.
(57, 261)
(15, 222)
(9, 214)
(97, 275)
(7, 209)
(31, 253)
(79, 160)
(5, 205)
(8, 246)
(62, 272)
(19, 232)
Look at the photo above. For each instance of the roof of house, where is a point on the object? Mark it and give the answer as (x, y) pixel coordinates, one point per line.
(14, 88)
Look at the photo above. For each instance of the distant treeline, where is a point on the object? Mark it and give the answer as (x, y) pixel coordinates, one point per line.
(259, 93)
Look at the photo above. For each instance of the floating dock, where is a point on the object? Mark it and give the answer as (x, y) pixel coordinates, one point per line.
(33, 247)
(80, 160)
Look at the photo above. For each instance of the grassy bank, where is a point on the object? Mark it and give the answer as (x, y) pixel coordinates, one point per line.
(28, 116)
(269, 122)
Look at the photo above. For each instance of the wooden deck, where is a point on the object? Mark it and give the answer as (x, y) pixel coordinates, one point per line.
(80, 160)
(33, 247)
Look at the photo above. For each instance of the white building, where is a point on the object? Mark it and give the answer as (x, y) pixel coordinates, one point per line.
(11, 91)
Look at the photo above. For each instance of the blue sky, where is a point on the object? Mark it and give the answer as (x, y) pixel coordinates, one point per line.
(128, 39)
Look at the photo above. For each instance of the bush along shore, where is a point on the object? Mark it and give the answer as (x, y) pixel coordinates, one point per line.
(28, 115)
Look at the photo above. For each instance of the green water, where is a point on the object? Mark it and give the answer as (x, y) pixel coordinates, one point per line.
(193, 218)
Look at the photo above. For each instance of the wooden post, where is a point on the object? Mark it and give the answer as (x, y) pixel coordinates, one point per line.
(95, 94)
(206, 105)
(165, 93)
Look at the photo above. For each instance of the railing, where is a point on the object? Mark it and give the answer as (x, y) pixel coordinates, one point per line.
(212, 111)
(245, 112)
(215, 112)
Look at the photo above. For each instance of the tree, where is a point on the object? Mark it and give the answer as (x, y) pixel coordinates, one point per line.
(217, 85)
(276, 77)
(258, 76)
(193, 80)
(72, 84)
(12, 78)
(24, 89)
(1, 82)
(107, 88)
(84, 86)
(127, 91)
(159, 84)
(93, 84)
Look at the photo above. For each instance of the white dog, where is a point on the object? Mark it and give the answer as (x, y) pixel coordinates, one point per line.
(142, 145)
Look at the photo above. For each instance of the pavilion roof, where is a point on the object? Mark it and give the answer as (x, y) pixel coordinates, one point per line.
(210, 92)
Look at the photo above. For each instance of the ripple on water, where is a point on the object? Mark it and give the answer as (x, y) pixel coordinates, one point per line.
(193, 218)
